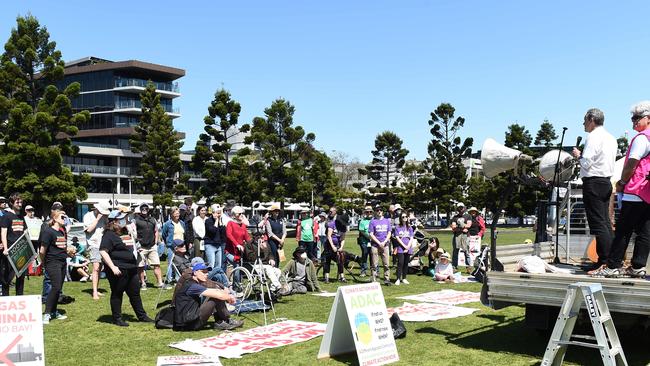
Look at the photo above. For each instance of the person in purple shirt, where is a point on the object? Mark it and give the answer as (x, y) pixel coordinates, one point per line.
(333, 248)
(403, 232)
(380, 234)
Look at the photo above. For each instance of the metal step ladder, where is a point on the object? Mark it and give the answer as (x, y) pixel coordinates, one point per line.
(606, 338)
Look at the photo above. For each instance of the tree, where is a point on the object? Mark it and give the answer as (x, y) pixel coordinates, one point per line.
(623, 145)
(155, 138)
(213, 150)
(546, 134)
(39, 120)
(388, 159)
(345, 168)
(410, 196)
(284, 149)
(518, 137)
(446, 181)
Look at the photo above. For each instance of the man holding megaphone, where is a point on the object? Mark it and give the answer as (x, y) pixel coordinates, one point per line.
(596, 168)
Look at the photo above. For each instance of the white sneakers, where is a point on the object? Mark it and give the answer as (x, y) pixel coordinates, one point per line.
(404, 281)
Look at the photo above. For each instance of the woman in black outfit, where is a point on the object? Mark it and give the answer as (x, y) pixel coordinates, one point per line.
(53, 255)
(118, 252)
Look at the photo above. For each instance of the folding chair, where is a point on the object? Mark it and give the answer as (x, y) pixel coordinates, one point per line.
(168, 279)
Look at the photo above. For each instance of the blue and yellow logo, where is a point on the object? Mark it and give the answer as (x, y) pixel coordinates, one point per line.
(362, 324)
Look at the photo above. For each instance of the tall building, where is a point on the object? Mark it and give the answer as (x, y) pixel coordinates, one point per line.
(111, 92)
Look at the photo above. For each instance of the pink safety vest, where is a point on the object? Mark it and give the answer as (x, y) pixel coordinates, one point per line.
(638, 185)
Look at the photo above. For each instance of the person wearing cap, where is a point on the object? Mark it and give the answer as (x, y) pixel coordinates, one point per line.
(364, 239)
(444, 270)
(380, 234)
(53, 256)
(118, 250)
(307, 233)
(276, 229)
(236, 235)
(181, 258)
(147, 238)
(12, 227)
(191, 313)
(460, 224)
(94, 222)
(173, 229)
(301, 273)
(33, 226)
(215, 238)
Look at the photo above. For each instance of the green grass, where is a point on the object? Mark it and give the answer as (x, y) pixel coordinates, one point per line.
(487, 337)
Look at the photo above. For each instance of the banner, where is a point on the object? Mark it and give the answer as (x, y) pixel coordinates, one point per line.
(33, 227)
(474, 244)
(359, 321)
(234, 345)
(447, 297)
(77, 236)
(21, 331)
(424, 312)
(21, 254)
(188, 360)
(324, 294)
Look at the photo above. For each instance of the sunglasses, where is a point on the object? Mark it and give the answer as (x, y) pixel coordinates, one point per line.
(637, 118)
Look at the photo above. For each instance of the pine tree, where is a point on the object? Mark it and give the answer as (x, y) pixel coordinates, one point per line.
(388, 159)
(158, 142)
(39, 120)
(546, 134)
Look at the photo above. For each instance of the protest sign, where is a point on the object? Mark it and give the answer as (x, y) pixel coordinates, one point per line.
(188, 360)
(33, 227)
(234, 345)
(21, 331)
(21, 254)
(424, 312)
(448, 297)
(77, 235)
(359, 321)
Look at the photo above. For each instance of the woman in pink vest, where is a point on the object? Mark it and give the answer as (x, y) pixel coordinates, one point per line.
(635, 209)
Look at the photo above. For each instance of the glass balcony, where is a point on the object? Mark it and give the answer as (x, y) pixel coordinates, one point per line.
(127, 104)
(166, 86)
(101, 169)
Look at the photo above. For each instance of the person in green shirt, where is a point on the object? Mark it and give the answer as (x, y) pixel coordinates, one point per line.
(364, 239)
(306, 234)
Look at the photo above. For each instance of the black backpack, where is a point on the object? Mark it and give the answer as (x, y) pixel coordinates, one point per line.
(165, 318)
(399, 330)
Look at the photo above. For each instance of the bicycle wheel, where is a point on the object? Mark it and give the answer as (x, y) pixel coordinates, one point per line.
(244, 287)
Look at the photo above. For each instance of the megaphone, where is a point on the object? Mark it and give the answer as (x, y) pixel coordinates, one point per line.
(497, 158)
(566, 170)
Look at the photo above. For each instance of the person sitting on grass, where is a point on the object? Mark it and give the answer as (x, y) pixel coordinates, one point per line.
(444, 269)
(272, 273)
(191, 313)
(301, 273)
(77, 266)
(433, 252)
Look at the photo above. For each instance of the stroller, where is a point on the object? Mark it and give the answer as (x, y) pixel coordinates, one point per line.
(481, 264)
(349, 261)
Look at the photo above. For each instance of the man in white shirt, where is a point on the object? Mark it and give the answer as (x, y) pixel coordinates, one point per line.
(596, 168)
(94, 221)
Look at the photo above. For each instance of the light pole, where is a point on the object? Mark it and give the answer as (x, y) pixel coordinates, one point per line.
(112, 192)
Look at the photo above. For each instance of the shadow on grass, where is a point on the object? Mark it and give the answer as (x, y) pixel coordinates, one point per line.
(512, 336)
(89, 291)
(109, 318)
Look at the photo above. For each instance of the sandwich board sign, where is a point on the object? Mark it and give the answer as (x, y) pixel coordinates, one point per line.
(359, 321)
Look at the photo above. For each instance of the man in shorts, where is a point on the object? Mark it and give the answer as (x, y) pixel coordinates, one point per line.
(94, 222)
(148, 238)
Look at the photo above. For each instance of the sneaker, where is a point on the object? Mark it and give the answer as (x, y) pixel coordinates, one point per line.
(143, 287)
(387, 283)
(58, 316)
(165, 286)
(83, 279)
(607, 272)
(635, 273)
(363, 274)
(342, 279)
(397, 283)
(235, 323)
(326, 280)
(404, 281)
(46, 318)
(120, 323)
(223, 326)
(146, 319)
(597, 269)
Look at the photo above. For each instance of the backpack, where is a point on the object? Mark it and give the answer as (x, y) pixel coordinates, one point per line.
(165, 318)
(399, 330)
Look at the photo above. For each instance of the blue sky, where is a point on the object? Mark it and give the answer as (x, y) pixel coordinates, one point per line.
(356, 68)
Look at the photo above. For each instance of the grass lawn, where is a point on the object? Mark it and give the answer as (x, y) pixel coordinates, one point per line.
(487, 337)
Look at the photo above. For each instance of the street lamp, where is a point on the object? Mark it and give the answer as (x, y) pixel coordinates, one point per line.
(112, 192)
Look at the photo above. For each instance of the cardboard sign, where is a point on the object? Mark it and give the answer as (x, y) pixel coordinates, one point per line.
(424, 312)
(21, 254)
(21, 331)
(447, 297)
(188, 360)
(474, 244)
(234, 345)
(33, 227)
(359, 321)
(77, 235)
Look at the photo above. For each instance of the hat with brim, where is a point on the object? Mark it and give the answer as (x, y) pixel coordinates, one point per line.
(29, 208)
(237, 210)
(116, 215)
(367, 209)
(378, 208)
(460, 204)
(473, 209)
(398, 206)
(182, 207)
(201, 267)
(55, 205)
(274, 208)
(444, 255)
(102, 207)
(178, 243)
(323, 213)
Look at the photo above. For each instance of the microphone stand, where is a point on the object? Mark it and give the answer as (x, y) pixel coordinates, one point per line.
(556, 186)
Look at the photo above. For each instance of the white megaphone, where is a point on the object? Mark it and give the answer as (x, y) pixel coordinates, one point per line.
(497, 158)
(566, 166)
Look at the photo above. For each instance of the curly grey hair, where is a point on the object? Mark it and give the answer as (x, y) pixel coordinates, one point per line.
(596, 115)
(641, 109)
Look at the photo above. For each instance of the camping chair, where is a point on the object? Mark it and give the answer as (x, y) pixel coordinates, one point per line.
(169, 278)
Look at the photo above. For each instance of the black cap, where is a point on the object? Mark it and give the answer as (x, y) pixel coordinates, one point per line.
(57, 206)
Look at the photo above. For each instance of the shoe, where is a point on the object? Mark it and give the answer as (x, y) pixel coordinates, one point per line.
(59, 316)
(596, 269)
(83, 279)
(46, 318)
(363, 274)
(387, 283)
(285, 291)
(342, 279)
(607, 272)
(121, 323)
(223, 326)
(404, 281)
(397, 283)
(635, 273)
(326, 280)
(143, 287)
(146, 319)
(235, 323)
(165, 286)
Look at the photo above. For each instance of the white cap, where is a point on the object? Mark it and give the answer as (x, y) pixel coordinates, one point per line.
(237, 209)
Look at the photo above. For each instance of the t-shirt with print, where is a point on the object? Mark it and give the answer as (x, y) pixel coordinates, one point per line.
(461, 220)
(15, 225)
(404, 233)
(364, 224)
(121, 252)
(55, 242)
(380, 228)
(307, 230)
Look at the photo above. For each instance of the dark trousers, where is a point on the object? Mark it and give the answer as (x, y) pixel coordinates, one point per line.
(56, 271)
(129, 282)
(7, 274)
(596, 194)
(364, 256)
(328, 256)
(274, 251)
(402, 265)
(310, 248)
(635, 217)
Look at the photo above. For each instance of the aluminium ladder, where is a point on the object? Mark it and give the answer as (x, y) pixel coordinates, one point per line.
(605, 335)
